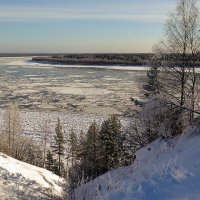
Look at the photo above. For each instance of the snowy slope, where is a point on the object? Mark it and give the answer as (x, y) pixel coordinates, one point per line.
(19, 180)
(164, 170)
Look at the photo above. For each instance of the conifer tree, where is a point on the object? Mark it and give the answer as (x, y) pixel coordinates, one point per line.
(73, 173)
(81, 137)
(91, 152)
(152, 86)
(45, 130)
(58, 147)
(73, 147)
(81, 145)
(63, 171)
(110, 144)
(50, 163)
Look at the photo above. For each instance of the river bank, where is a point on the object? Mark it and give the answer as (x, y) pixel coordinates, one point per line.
(95, 59)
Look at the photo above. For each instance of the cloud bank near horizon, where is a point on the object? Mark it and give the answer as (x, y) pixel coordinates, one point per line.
(82, 25)
(101, 11)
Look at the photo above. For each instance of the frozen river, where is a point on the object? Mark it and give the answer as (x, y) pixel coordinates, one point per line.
(81, 89)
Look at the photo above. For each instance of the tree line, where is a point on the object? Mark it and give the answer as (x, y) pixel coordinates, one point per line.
(81, 158)
(78, 157)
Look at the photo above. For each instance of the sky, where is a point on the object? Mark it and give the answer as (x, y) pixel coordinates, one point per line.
(82, 26)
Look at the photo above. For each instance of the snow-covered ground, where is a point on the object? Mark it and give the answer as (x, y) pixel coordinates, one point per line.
(19, 180)
(163, 170)
(33, 121)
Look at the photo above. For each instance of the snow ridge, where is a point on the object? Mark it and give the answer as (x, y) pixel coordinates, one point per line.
(20, 180)
(165, 169)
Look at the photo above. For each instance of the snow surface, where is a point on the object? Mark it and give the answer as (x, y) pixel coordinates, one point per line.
(19, 180)
(163, 170)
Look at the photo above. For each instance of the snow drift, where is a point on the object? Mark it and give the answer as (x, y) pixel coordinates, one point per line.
(165, 169)
(19, 180)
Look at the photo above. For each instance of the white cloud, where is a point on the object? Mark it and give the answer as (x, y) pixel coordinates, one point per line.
(35, 14)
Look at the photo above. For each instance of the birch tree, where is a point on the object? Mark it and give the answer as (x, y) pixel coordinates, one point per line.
(178, 54)
(12, 126)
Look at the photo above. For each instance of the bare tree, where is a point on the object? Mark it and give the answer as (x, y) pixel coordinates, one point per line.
(28, 150)
(179, 53)
(14, 142)
(12, 126)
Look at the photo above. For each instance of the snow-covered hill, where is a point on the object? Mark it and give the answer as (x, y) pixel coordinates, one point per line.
(163, 170)
(19, 180)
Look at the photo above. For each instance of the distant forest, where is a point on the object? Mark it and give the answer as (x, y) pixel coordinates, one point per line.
(96, 59)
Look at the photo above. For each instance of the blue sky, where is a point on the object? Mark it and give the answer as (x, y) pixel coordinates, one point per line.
(71, 26)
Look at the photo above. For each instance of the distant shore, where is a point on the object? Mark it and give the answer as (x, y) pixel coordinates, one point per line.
(26, 54)
(95, 59)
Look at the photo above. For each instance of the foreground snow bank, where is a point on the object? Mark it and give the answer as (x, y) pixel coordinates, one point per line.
(19, 180)
(162, 170)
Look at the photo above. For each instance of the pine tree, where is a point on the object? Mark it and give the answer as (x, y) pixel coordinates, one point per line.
(45, 130)
(63, 172)
(91, 152)
(73, 146)
(110, 144)
(81, 145)
(81, 138)
(73, 172)
(50, 163)
(58, 147)
(152, 86)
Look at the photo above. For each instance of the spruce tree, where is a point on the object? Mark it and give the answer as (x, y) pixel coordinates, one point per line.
(58, 147)
(152, 86)
(110, 144)
(73, 172)
(73, 147)
(50, 163)
(81, 145)
(91, 152)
